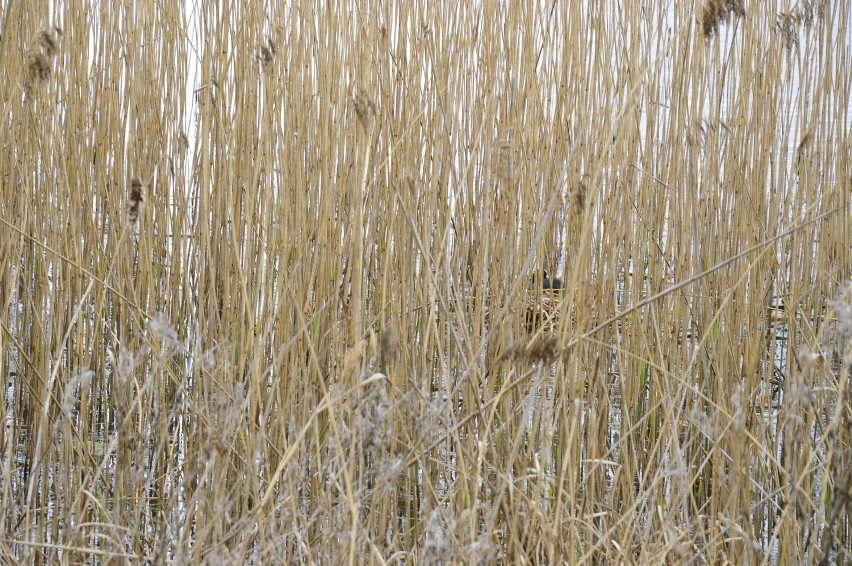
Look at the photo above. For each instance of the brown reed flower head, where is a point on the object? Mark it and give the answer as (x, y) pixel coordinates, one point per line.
(136, 200)
(47, 42)
(804, 14)
(267, 52)
(717, 12)
(354, 361)
(541, 349)
(36, 68)
(365, 110)
(578, 195)
(803, 145)
(389, 344)
(38, 60)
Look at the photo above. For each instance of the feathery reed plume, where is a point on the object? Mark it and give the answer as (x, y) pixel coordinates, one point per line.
(803, 145)
(542, 348)
(47, 42)
(717, 12)
(38, 60)
(37, 68)
(136, 200)
(389, 344)
(696, 133)
(354, 360)
(267, 52)
(842, 307)
(578, 195)
(365, 110)
(787, 24)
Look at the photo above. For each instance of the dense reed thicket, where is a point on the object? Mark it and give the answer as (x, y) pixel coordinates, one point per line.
(270, 277)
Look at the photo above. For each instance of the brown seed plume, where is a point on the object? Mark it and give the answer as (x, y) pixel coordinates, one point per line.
(47, 42)
(365, 110)
(38, 61)
(578, 195)
(541, 349)
(717, 12)
(803, 15)
(136, 200)
(389, 345)
(37, 68)
(803, 145)
(267, 52)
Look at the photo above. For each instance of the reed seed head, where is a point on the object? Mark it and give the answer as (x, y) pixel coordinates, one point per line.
(578, 196)
(787, 24)
(37, 68)
(267, 52)
(365, 110)
(136, 200)
(717, 12)
(389, 344)
(541, 349)
(47, 42)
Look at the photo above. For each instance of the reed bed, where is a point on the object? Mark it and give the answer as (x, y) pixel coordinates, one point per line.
(269, 276)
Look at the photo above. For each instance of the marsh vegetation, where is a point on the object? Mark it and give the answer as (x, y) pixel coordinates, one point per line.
(271, 282)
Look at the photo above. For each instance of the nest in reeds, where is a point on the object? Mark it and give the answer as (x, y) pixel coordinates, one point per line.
(539, 310)
(542, 311)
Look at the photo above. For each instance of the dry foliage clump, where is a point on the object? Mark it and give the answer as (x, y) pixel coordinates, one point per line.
(335, 340)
